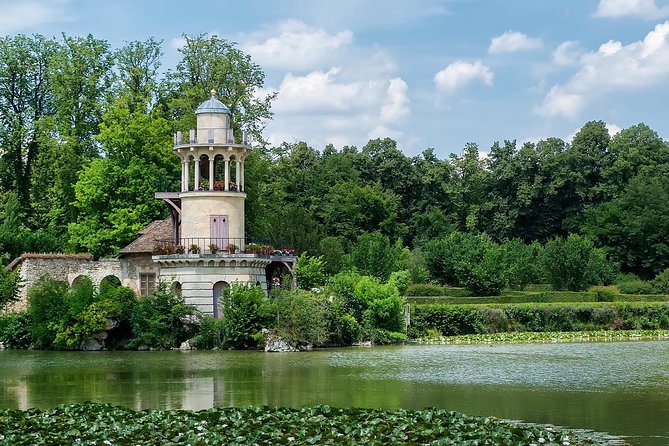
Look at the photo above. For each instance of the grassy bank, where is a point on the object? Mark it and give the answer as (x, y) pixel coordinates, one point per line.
(100, 424)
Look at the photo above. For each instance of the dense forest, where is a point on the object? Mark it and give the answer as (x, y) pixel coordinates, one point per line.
(85, 139)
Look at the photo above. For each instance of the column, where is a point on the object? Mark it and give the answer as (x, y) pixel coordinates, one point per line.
(227, 174)
(211, 173)
(237, 174)
(187, 174)
(183, 175)
(241, 176)
(197, 174)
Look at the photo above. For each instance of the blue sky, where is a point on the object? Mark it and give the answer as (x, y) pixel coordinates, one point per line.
(427, 73)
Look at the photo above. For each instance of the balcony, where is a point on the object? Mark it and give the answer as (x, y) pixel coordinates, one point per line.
(219, 247)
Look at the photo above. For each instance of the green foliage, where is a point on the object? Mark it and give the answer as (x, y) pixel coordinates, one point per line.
(374, 255)
(661, 282)
(331, 249)
(468, 260)
(477, 319)
(211, 334)
(401, 280)
(156, 319)
(636, 287)
(386, 313)
(310, 271)
(523, 263)
(15, 330)
(10, 285)
(47, 307)
(246, 312)
(264, 425)
(343, 287)
(301, 317)
(424, 289)
(574, 264)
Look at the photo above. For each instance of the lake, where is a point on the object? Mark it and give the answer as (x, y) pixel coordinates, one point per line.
(618, 387)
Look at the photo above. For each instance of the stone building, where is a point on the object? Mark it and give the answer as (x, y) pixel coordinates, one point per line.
(201, 249)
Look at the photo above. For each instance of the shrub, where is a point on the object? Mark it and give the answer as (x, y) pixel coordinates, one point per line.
(386, 313)
(212, 333)
(47, 307)
(522, 263)
(246, 312)
(661, 282)
(301, 317)
(15, 330)
(424, 289)
(345, 331)
(156, 319)
(574, 264)
(401, 279)
(342, 287)
(636, 287)
(9, 286)
(385, 337)
(310, 271)
(374, 255)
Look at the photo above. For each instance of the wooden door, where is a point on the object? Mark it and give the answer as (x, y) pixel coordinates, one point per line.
(218, 231)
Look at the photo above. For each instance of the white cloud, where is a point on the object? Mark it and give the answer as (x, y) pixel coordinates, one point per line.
(567, 53)
(639, 8)
(294, 45)
(326, 108)
(614, 67)
(512, 41)
(613, 128)
(19, 16)
(461, 73)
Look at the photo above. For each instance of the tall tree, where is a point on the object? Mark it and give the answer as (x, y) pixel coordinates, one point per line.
(25, 99)
(138, 64)
(213, 63)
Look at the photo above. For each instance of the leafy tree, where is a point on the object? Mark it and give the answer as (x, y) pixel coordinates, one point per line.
(574, 263)
(522, 263)
(47, 306)
(374, 255)
(10, 285)
(138, 64)
(310, 271)
(634, 228)
(247, 312)
(214, 63)
(25, 100)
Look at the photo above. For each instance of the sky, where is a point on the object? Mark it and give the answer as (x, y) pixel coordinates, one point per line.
(429, 74)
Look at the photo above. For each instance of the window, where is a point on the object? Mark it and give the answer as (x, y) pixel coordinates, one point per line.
(147, 283)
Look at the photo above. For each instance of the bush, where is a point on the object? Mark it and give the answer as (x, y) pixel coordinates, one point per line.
(15, 330)
(374, 255)
(424, 289)
(401, 279)
(385, 337)
(346, 330)
(522, 263)
(385, 313)
(9, 286)
(575, 264)
(636, 287)
(246, 312)
(479, 319)
(212, 333)
(156, 319)
(342, 287)
(661, 282)
(310, 271)
(301, 317)
(47, 307)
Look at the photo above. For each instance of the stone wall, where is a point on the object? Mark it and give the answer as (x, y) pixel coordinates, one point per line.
(62, 267)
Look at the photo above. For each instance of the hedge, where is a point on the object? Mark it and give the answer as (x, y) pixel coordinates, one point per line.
(511, 297)
(452, 320)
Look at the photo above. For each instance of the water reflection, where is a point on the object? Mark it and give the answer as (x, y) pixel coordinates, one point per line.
(622, 388)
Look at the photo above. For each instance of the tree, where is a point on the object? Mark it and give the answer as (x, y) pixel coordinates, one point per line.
(374, 255)
(214, 63)
(25, 99)
(138, 64)
(634, 228)
(10, 285)
(310, 271)
(574, 263)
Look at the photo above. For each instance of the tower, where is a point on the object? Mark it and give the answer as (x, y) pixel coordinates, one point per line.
(208, 250)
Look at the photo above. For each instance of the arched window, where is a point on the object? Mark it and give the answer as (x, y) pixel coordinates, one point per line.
(220, 288)
(176, 288)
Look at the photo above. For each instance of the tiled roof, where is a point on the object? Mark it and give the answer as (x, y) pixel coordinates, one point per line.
(158, 230)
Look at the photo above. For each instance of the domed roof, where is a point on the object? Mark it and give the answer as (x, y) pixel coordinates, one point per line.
(212, 105)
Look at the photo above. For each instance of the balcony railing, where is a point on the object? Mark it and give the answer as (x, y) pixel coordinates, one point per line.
(218, 246)
(174, 185)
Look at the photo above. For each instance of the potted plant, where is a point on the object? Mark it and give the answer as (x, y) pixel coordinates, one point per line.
(194, 249)
(213, 248)
(179, 249)
(232, 248)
